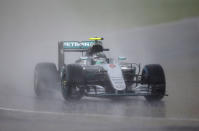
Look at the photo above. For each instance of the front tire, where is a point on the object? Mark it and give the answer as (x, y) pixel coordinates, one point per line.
(153, 75)
(73, 82)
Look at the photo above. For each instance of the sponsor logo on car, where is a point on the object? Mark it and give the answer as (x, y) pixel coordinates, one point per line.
(112, 65)
(78, 45)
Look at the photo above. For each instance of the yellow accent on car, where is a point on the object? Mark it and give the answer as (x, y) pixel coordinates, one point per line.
(96, 38)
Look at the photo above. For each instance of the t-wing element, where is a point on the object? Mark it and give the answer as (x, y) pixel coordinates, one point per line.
(96, 38)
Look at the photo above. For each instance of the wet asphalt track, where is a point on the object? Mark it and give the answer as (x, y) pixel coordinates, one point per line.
(28, 112)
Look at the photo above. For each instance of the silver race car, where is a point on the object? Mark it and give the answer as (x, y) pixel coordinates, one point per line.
(96, 75)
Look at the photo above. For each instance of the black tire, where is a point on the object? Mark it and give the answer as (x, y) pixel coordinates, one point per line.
(153, 75)
(73, 82)
(45, 78)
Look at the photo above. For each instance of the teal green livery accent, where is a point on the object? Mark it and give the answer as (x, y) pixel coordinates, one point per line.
(78, 45)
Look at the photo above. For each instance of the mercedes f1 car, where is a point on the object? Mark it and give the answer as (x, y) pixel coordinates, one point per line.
(96, 75)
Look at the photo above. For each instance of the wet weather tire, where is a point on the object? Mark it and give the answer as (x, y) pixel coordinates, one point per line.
(45, 78)
(153, 75)
(73, 82)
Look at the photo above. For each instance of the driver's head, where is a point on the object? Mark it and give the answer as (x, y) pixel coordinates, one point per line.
(99, 55)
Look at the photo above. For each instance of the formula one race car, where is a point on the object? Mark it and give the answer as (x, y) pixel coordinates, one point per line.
(96, 75)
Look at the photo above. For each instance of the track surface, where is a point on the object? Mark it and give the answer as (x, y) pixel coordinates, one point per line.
(27, 112)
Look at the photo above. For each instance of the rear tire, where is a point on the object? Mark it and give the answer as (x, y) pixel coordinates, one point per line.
(45, 78)
(153, 75)
(73, 82)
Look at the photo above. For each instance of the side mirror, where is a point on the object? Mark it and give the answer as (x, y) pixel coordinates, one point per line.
(83, 58)
(121, 58)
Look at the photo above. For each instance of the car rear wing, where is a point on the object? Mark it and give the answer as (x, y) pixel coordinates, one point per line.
(73, 46)
(76, 46)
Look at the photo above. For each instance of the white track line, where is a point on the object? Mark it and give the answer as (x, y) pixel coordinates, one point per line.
(98, 115)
